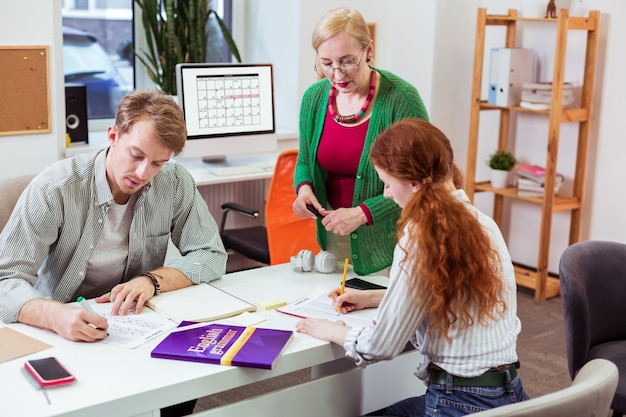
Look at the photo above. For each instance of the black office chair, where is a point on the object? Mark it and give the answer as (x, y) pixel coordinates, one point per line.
(248, 241)
(284, 234)
(593, 290)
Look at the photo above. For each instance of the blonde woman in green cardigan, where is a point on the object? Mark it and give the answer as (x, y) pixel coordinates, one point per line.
(340, 117)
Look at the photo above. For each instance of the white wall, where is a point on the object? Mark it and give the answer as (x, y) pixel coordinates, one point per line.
(267, 38)
(603, 216)
(428, 42)
(279, 31)
(35, 23)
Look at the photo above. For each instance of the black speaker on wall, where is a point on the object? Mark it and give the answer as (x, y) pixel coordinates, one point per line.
(76, 113)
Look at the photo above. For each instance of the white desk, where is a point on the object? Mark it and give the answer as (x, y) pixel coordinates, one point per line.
(114, 381)
(201, 174)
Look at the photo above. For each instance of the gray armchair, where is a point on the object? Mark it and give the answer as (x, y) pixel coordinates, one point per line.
(10, 191)
(589, 395)
(593, 289)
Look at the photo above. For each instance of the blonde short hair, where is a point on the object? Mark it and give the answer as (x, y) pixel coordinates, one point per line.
(342, 20)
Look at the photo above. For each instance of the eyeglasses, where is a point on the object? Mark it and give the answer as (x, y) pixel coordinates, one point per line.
(347, 67)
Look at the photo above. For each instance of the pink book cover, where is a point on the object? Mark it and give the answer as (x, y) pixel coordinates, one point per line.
(224, 344)
(531, 169)
(535, 172)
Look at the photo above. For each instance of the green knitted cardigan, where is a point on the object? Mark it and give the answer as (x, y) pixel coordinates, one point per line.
(371, 246)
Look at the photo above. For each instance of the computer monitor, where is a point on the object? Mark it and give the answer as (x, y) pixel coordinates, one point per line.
(228, 108)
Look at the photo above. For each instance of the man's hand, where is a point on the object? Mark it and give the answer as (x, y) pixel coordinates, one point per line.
(71, 322)
(134, 293)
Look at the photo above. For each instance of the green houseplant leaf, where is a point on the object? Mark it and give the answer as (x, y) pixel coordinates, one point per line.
(502, 160)
(176, 32)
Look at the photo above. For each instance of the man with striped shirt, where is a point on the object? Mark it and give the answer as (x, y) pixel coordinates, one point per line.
(98, 225)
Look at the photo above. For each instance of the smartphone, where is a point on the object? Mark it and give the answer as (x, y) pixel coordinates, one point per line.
(313, 210)
(48, 371)
(361, 284)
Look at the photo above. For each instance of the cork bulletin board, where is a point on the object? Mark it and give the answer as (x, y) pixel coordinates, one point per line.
(25, 103)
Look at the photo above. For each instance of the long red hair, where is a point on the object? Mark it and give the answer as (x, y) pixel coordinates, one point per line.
(455, 270)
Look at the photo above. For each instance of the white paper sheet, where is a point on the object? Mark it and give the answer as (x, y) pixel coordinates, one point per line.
(319, 305)
(132, 330)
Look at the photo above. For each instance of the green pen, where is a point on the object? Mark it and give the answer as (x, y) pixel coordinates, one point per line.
(82, 301)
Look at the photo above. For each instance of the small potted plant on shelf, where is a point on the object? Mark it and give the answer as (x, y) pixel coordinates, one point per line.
(501, 162)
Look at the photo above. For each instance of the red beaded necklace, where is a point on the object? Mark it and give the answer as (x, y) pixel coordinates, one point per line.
(353, 118)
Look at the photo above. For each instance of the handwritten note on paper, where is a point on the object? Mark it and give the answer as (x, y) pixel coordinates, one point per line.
(318, 305)
(132, 330)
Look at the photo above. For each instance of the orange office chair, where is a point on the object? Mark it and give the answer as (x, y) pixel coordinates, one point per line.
(284, 233)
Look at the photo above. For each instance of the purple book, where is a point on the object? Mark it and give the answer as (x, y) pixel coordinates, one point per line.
(223, 344)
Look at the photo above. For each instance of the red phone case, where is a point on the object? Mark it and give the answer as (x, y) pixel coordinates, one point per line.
(49, 371)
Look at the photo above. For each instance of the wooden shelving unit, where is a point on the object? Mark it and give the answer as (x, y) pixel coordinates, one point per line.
(537, 278)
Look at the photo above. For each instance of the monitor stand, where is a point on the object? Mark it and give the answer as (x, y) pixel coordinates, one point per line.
(216, 159)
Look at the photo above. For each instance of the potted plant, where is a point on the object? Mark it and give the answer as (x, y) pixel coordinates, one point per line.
(177, 32)
(501, 162)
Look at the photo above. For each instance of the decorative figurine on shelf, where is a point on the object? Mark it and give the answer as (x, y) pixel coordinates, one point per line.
(551, 9)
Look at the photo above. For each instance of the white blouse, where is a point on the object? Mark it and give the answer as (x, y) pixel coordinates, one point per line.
(470, 352)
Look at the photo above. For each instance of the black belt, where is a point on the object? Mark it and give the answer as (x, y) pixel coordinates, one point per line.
(488, 379)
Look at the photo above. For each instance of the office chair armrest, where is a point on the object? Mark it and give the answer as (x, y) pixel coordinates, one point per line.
(239, 209)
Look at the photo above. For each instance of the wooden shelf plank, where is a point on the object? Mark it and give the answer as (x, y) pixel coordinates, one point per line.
(528, 278)
(567, 115)
(589, 23)
(561, 203)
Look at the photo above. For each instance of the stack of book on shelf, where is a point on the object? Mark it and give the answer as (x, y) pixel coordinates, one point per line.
(530, 180)
(538, 96)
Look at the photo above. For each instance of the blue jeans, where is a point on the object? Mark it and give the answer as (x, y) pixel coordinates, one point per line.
(452, 401)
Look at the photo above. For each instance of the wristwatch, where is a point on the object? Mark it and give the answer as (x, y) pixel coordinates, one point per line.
(155, 282)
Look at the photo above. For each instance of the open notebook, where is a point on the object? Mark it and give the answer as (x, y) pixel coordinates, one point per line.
(202, 302)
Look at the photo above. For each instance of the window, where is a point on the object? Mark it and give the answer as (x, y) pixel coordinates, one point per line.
(97, 50)
(97, 41)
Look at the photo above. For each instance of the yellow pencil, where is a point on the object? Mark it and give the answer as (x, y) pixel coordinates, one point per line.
(343, 282)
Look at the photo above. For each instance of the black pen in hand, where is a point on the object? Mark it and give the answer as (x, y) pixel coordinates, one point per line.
(313, 210)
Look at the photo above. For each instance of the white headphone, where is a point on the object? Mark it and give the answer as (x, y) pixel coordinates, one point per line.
(325, 262)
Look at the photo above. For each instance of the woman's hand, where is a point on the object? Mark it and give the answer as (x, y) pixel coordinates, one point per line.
(306, 196)
(344, 221)
(323, 329)
(353, 299)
